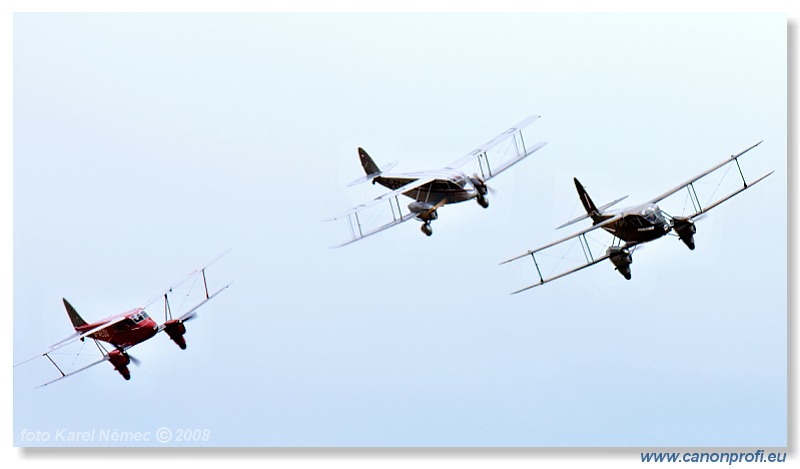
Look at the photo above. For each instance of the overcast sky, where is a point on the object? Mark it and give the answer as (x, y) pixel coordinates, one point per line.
(146, 144)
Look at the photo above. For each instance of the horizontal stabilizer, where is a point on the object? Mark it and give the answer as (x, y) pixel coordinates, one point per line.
(611, 204)
(370, 177)
(574, 220)
(600, 209)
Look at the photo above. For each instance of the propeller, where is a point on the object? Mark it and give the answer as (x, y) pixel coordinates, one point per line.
(189, 317)
(637, 247)
(481, 186)
(134, 360)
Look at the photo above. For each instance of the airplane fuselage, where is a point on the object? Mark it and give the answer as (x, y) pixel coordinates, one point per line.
(447, 188)
(639, 224)
(134, 329)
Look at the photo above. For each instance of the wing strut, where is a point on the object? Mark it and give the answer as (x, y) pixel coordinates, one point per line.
(694, 198)
(399, 215)
(541, 279)
(587, 251)
(358, 224)
(740, 172)
(167, 309)
(483, 159)
(54, 364)
(100, 347)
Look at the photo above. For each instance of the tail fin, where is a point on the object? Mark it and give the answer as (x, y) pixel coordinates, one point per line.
(77, 320)
(591, 209)
(369, 166)
(596, 214)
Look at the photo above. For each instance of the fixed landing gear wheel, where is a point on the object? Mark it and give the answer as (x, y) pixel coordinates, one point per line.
(483, 202)
(426, 228)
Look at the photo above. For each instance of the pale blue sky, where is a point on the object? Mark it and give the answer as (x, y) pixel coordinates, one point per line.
(147, 144)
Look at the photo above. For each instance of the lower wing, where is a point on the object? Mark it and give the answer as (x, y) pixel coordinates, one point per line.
(561, 252)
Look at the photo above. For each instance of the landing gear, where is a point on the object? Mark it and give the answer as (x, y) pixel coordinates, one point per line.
(483, 202)
(426, 213)
(426, 228)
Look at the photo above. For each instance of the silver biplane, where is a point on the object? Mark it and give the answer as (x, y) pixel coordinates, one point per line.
(631, 227)
(433, 189)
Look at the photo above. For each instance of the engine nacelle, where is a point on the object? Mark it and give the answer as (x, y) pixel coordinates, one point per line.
(175, 330)
(424, 210)
(685, 229)
(479, 185)
(120, 360)
(622, 260)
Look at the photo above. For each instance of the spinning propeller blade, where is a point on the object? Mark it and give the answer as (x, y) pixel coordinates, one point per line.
(134, 360)
(479, 184)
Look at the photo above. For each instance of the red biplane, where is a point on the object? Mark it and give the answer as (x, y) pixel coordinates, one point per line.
(123, 331)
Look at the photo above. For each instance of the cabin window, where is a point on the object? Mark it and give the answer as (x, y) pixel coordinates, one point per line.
(139, 317)
(650, 214)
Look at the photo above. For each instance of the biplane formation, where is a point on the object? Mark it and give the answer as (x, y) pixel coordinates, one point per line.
(121, 332)
(634, 226)
(430, 190)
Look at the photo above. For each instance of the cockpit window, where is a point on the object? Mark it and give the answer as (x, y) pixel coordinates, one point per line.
(139, 317)
(651, 213)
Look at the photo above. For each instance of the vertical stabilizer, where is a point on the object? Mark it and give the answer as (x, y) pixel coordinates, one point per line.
(596, 214)
(366, 162)
(588, 204)
(77, 320)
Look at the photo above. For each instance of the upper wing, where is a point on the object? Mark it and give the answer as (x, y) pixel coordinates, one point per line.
(192, 275)
(586, 260)
(74, 338)
(689, 184)
(189, 291)
(514, 151)
(192, 312)
(747, 185)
